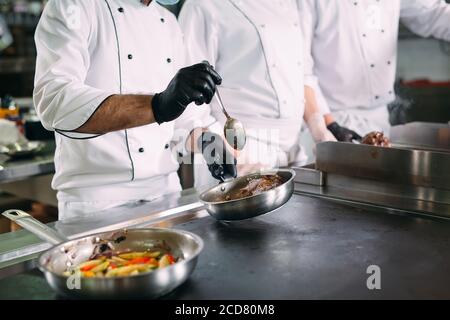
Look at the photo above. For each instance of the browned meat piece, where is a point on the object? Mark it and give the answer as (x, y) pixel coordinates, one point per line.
(255, 186)
(376, 139)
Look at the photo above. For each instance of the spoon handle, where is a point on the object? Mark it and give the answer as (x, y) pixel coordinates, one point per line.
(219, 98)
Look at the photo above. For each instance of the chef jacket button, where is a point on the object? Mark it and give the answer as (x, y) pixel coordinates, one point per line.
(162, 20)
(390, 92)
(169, 60)
(382, 30)
(141, 150)
(130, 56)
(121, 10)
(355, 3)
(166, 146)
(364, 35)
(377, 97)
(372, 65)
(389, 62)
(263, 26)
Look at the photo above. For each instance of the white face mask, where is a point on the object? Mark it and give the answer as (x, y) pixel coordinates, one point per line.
(168, 2)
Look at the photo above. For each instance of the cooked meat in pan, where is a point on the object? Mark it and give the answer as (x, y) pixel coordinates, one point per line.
(254, 187)
(376, 139)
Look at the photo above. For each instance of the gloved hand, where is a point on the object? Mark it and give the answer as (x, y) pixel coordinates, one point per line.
(318, 129)
(196, 83)
(221, 162)
(343, 134)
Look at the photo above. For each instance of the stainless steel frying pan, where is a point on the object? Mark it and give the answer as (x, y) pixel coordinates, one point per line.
(249, 207)
(66, 253)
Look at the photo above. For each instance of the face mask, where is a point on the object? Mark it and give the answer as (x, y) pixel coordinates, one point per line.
(167, 2)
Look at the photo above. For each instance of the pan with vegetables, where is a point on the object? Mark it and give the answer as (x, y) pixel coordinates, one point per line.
(133, 263)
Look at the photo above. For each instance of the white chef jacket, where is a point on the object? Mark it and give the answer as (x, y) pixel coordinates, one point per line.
(88, 51)
(256, 47)
(352, 46)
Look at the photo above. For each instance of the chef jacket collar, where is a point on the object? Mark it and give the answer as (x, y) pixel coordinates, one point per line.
(146, 2)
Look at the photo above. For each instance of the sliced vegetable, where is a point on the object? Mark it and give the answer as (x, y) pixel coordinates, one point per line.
(132, 255)
(124, 264)
(123, 271)
(101, 267)
(88, 274)
(139, 260)
(165, 261)
(154, 254)
(171, 259)
(86, 266)
(118, 260)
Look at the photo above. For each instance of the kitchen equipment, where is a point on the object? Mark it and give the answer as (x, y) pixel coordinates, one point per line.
(22, 150)
(400, 179)
(67, 253)
(422, 136)
(252, 206)
(390, 165)
(233, 130)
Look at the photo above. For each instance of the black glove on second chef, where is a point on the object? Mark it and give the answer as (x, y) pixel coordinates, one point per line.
(196, 83)
(221, 163)
(343, 134)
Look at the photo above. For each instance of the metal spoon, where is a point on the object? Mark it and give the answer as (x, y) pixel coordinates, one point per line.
(233, 129)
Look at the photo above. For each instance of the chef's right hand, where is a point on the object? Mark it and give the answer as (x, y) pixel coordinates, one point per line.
(343, 134)
(221, 162)
(196, 83)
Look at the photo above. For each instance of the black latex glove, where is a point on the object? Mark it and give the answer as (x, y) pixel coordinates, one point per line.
(343, 134)
(196, 83)
(221, 162)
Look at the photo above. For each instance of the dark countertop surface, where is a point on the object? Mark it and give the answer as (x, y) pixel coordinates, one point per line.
(310, 248)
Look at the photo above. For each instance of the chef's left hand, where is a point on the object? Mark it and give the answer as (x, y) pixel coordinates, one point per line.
(221, 162)
(318, 129)
(343, 134)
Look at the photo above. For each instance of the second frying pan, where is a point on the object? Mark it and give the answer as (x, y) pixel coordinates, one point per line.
(251, 206)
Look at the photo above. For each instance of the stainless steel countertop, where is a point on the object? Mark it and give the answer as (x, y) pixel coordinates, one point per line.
(41, 164)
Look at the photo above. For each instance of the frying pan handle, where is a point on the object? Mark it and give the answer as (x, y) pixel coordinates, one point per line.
(39, 229)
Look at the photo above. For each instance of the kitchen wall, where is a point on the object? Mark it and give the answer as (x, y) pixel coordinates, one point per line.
(423, 58)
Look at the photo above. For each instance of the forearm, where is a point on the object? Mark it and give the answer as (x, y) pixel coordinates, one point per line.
(119, 112)
(311, 105)
(329, 119)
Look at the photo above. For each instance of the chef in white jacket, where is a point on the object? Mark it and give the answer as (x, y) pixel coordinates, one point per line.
(108, 82)
(257, 47)
(353, 55)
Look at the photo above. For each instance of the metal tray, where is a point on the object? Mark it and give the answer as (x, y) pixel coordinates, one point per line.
(22, 150)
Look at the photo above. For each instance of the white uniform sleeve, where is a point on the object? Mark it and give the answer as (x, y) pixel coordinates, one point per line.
(308, 17)
(194, 116)
(427, 17)
(63, 101)
(200, 35)
(197, 46)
